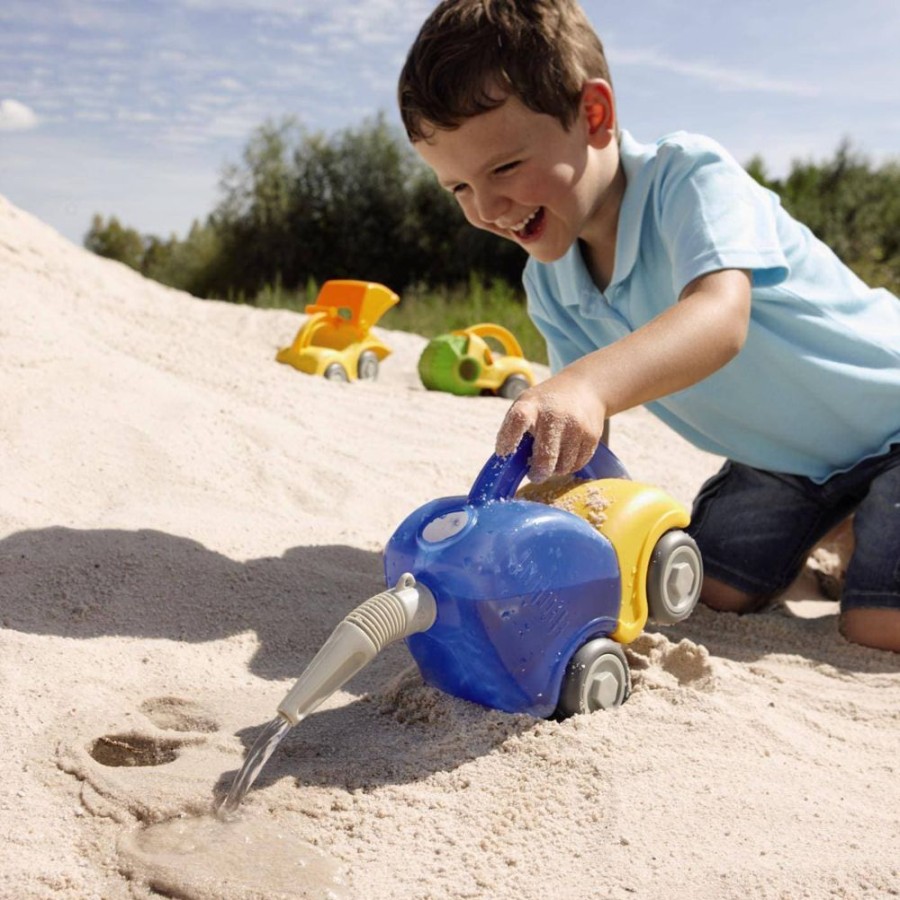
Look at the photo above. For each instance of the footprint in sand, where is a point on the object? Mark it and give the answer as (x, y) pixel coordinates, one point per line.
(167, 714)
(133, 750)
(177, 714)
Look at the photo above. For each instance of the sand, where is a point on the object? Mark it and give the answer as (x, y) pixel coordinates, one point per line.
(183, 523)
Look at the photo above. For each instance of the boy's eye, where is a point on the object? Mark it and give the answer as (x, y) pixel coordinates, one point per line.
(506, 167)
(458, 188)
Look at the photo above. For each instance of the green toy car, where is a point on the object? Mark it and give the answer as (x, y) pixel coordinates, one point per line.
(463, 363)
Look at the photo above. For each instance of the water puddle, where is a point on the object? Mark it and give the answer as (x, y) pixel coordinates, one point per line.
(207, 858)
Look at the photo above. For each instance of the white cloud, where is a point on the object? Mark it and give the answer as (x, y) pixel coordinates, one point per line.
(15, 116)
(721, 77)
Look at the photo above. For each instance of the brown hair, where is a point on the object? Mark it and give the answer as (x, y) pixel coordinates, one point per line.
(470, 54)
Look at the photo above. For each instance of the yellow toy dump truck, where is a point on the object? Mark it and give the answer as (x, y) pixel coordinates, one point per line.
(335, 341)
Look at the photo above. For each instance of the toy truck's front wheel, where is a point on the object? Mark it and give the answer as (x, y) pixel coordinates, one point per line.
(513, 386)
(597, 677)
(367, 368)
(674, 578)
(336, 372)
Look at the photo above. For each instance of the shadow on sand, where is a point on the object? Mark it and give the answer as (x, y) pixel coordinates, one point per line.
(148, 584)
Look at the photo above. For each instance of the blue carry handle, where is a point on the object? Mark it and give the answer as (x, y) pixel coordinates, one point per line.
(502, 475)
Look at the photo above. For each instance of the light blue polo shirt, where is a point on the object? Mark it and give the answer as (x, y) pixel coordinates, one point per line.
(816, 387)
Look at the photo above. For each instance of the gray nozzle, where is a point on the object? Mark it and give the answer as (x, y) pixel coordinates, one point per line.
(405, 609)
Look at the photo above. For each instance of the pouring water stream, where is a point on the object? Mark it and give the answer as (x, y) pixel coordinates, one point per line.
(263, 747)
(405, 609)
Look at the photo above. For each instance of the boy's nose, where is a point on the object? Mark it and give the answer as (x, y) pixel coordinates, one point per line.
(491, 207)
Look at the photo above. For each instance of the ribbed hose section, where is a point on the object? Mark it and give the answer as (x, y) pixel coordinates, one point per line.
(381, 618)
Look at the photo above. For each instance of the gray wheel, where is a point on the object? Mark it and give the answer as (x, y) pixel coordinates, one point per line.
(674, 578)
(597, 677)
(336, 372)
(367, 367)
(513, 386)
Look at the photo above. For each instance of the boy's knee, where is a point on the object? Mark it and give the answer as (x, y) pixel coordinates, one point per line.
(724, 598)
(876, 628)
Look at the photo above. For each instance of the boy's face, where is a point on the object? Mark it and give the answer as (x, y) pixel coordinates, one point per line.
(521, 175)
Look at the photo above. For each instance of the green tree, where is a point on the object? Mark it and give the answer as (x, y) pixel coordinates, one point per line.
(359, 204)
(252, 219)
(299, 208)
(110, 239)
(190, 265)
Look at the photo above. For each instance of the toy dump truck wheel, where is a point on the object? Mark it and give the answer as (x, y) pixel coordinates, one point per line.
(597, 677)
(367, 367)
(674, 578)
(513, 386)
(336, 372)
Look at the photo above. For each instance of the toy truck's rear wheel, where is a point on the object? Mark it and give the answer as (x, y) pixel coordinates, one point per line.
(367, 367)
(674, 578)
(513, 386)
(597, 677)
(336, 372)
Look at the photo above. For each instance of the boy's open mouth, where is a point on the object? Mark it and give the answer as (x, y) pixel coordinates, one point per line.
(531, 226)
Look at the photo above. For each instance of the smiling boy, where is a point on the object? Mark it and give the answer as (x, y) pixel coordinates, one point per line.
(664, 275)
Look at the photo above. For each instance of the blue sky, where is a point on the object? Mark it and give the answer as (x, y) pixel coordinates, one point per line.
(133, 108)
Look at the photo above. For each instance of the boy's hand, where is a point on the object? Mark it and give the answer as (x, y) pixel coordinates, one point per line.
(565, 416)
(681, 346)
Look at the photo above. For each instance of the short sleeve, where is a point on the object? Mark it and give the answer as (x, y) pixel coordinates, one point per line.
(714, 216)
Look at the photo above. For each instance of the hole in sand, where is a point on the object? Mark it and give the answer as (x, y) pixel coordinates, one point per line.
(133, 750)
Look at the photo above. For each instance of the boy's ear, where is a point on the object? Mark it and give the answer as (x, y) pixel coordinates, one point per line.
(599, 107)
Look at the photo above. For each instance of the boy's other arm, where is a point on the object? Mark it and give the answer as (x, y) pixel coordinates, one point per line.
(683, 345)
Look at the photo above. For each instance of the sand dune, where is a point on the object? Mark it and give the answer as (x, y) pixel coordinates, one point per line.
(183, 523)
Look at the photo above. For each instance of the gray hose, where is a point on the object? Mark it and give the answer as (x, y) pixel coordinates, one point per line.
(360, 636)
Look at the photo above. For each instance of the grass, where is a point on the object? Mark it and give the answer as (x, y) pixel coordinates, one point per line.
(433, 311)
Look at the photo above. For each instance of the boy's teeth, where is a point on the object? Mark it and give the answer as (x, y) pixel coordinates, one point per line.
(524, 222)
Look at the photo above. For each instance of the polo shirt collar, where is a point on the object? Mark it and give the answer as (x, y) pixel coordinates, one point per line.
(638, 181)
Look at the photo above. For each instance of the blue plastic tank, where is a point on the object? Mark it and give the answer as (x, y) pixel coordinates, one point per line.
(520, 586)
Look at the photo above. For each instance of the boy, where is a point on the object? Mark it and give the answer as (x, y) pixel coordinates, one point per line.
(664, 275)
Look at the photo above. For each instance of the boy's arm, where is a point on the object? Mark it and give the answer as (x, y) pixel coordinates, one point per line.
(685, 344)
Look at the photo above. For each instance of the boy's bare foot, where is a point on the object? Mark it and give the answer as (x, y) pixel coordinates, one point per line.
(831, 556)
(878, 628)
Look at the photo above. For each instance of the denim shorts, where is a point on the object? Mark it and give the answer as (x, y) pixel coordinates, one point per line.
(755, 528)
